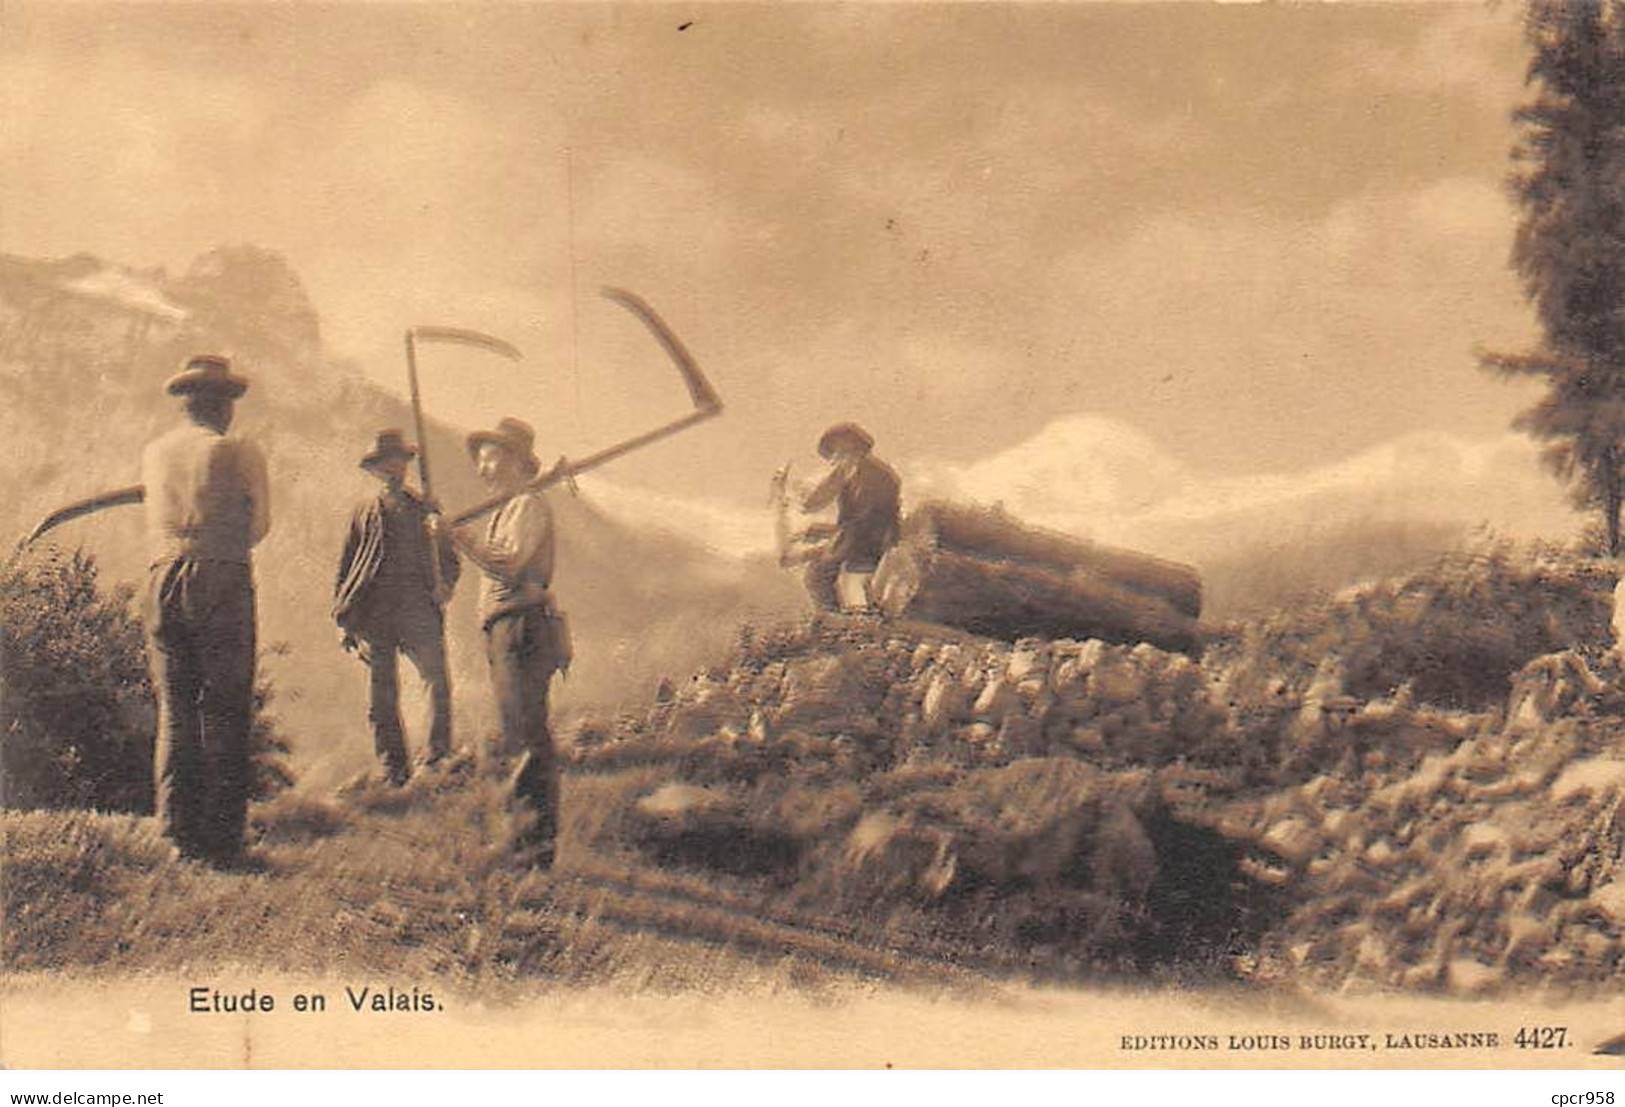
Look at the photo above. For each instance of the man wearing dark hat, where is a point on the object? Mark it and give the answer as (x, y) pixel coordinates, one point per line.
(865, 491)
(525, 637)
(387, 600)
(207, 506)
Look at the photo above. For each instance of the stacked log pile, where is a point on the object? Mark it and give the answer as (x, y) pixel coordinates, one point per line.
(982, 571)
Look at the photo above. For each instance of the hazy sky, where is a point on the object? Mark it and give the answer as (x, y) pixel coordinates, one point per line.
(1265, 237)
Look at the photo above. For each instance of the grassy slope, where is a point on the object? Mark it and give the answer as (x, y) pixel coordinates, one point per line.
(415, 884)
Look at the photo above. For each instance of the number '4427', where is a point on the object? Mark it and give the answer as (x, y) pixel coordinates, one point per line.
(1541, 1037)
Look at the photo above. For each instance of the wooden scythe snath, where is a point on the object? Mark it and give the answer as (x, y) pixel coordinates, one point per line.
(706, 405)
(457, 336)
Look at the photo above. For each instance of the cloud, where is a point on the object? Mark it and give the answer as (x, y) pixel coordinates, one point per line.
(1462, 50)
(1247, 333)
(89, 137)
(632, 204)
(949, 221)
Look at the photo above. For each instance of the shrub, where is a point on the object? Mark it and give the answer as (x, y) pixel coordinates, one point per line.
(76, 709)
(77, 719)
(1454, 633)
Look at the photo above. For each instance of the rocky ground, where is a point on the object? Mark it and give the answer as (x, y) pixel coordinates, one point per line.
(1414, 784)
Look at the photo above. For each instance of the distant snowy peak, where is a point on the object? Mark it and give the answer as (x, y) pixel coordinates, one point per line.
(1077, 464)
(1097, 477)
(121, 288)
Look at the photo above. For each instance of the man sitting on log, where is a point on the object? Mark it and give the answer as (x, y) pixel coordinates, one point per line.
(865, 491)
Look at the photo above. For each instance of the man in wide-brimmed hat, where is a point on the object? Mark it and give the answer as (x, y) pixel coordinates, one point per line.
(388, 598)
(866, 492)
(525, 634)
(207, 506)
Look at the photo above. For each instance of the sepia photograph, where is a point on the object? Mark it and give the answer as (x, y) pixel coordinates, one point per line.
(813, 536)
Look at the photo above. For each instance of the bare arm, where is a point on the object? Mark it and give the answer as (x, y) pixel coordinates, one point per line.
(826, 490)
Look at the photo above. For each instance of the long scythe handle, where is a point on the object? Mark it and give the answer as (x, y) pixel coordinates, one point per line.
(706, 402)
(437, 577)
(458, 336)
(417, 413)
(565, 470)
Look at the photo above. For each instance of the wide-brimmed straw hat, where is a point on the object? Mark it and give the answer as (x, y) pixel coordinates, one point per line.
(390, 443)
(207, 373)
(844, 432)
(514, 435)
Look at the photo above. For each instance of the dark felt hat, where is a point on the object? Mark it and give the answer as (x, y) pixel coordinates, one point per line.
(844, 432)
(390, 443)
(514, 435)
(207, 373)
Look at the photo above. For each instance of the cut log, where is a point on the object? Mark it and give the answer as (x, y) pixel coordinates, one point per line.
(993, 535)
(1013, 599)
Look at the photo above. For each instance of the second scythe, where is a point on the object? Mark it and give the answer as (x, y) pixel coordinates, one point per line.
(706, 405)
(456, 335)
(461, 337)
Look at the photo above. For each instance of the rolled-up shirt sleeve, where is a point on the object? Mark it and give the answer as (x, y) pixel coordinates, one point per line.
(518, 543)
(524, 532)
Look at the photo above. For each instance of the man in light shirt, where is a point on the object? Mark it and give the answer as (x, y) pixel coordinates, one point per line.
(207, 506)
(525, 637)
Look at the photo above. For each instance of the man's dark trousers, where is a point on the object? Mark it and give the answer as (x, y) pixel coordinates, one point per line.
(200, 639)
(415, 629)
(821, 577)
(518, 647)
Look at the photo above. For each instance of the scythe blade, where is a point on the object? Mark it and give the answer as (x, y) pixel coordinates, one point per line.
(699, 389)
(461, 336)
(707, 404)
(119, 497)
(464, 337)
